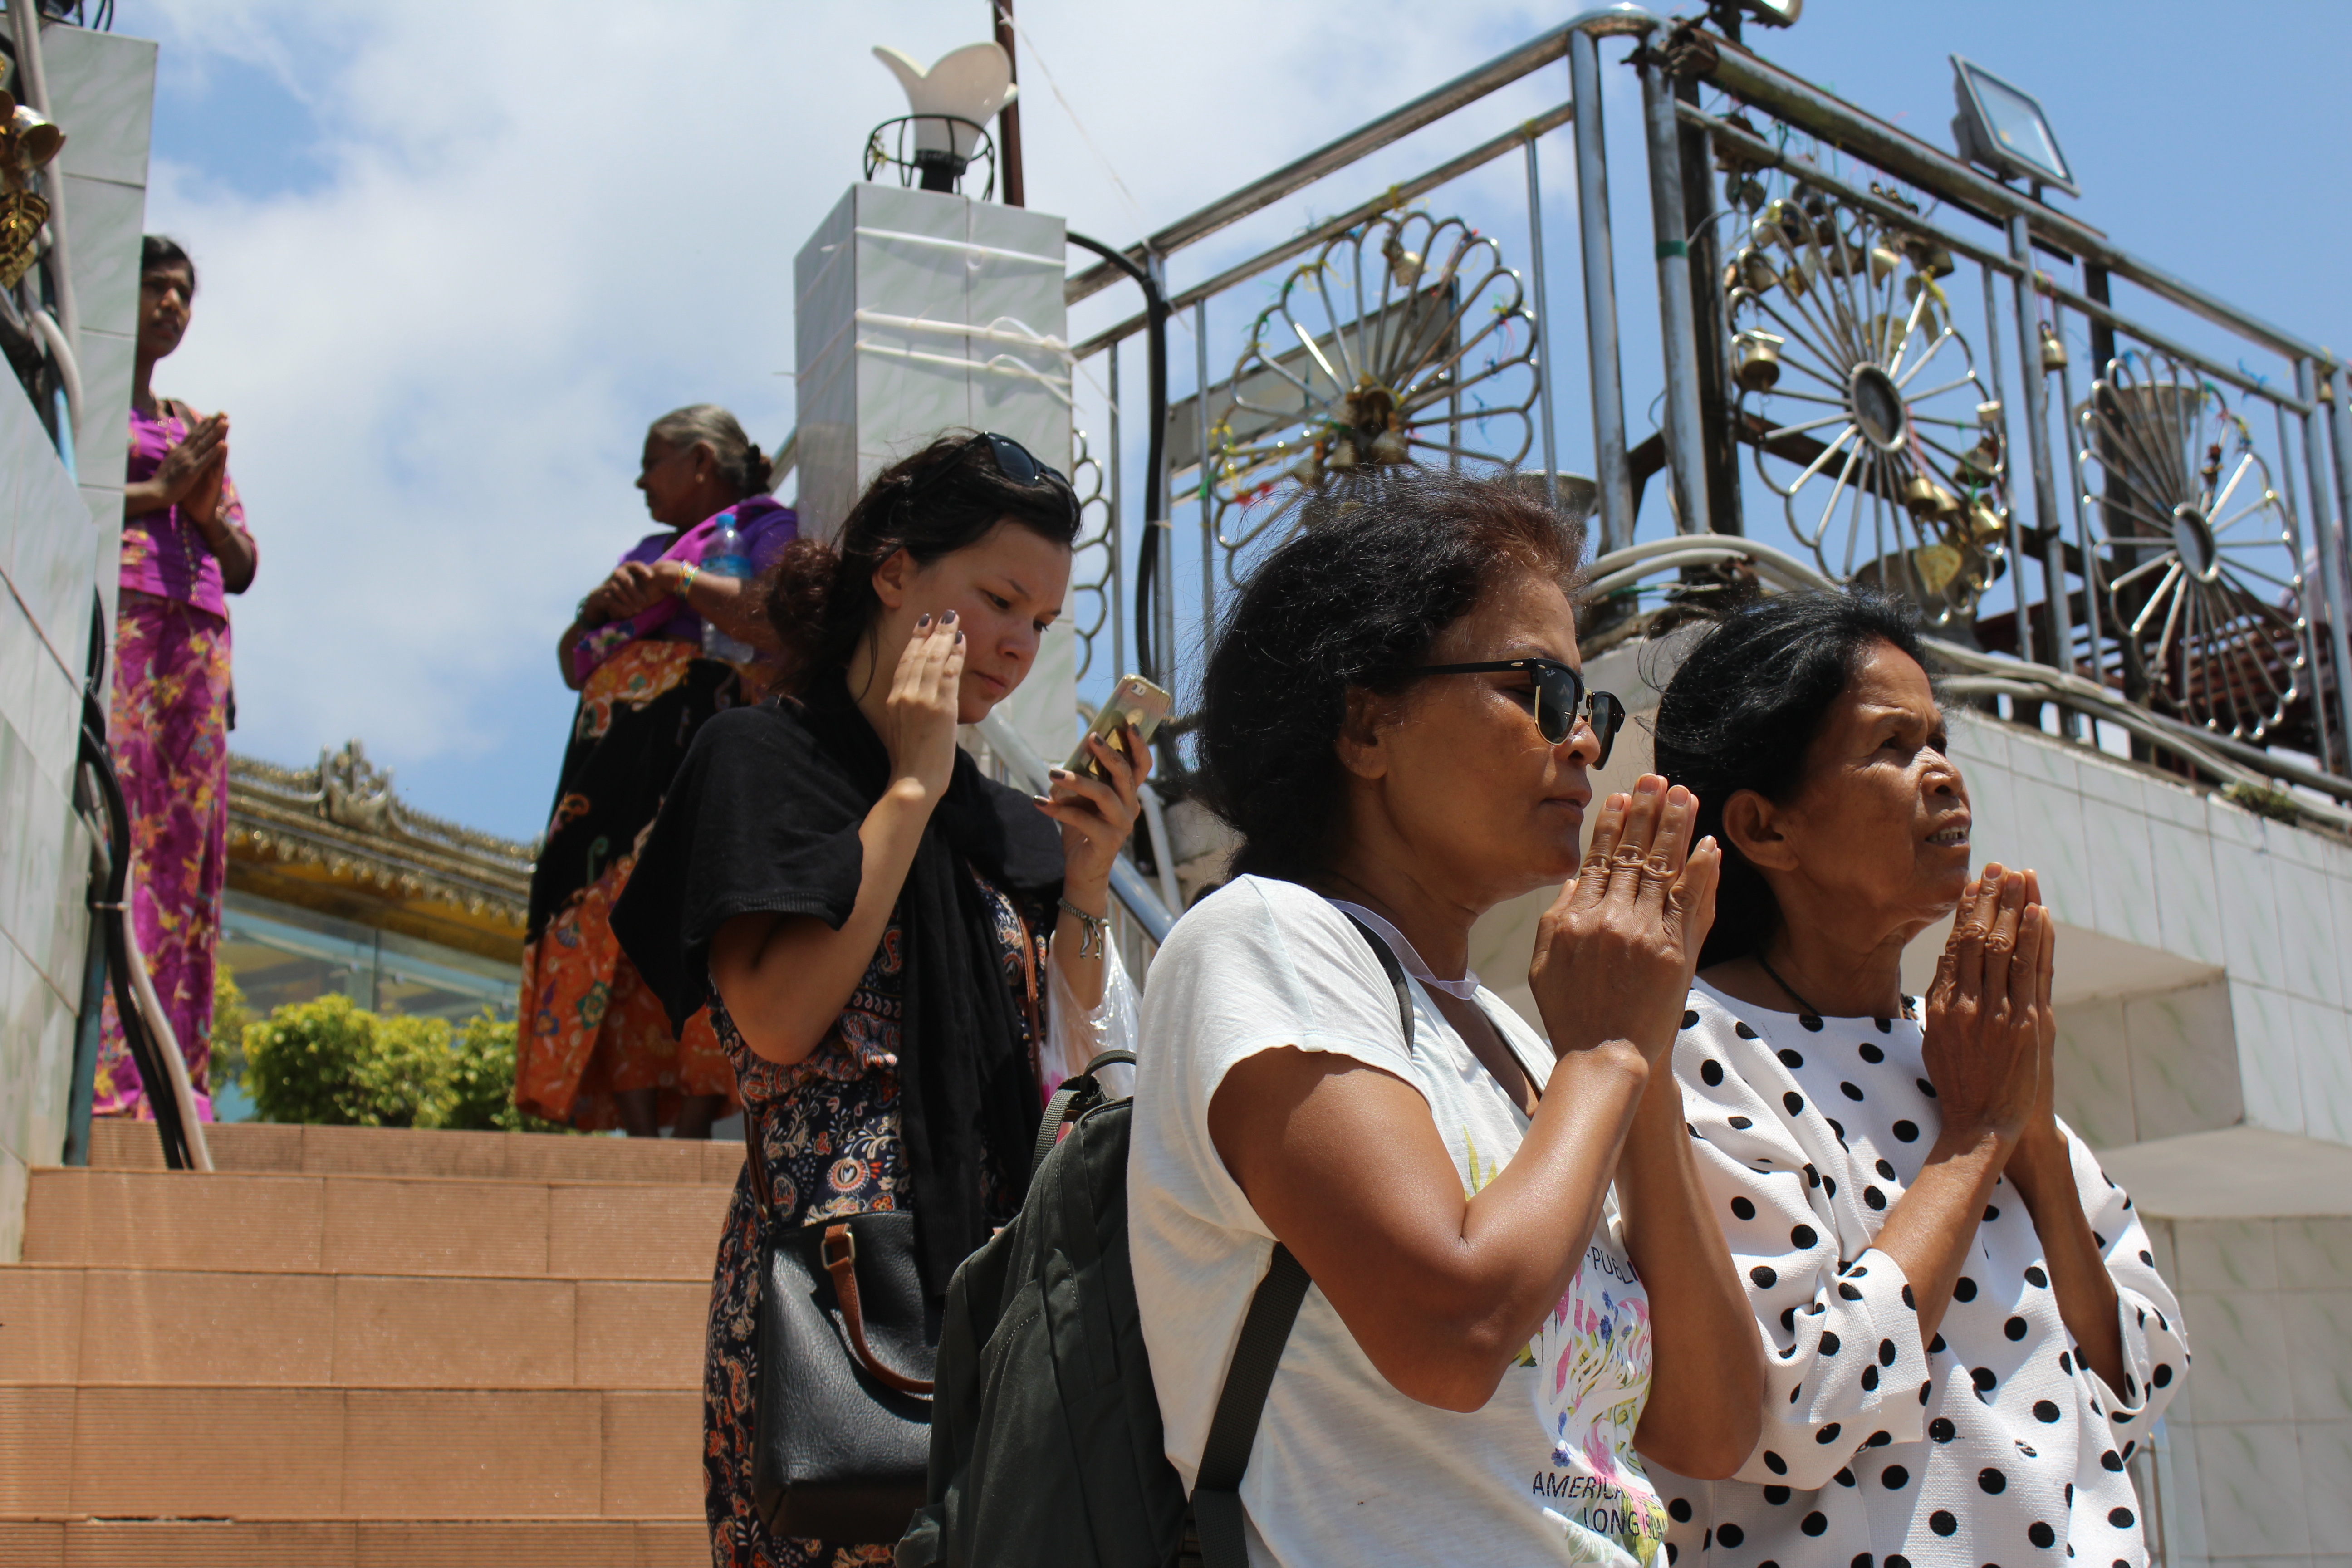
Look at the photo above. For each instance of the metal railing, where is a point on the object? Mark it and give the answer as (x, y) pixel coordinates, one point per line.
(2210, 629)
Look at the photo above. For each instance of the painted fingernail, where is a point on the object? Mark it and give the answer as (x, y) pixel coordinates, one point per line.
(959, 639)
(924, 621)
(1057, 773)
(947, 620)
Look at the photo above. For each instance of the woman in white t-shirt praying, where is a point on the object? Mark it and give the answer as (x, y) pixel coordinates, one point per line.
(1395, 721)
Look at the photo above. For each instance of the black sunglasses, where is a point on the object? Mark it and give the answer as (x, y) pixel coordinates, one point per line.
(1013, 460)
(1561, 698)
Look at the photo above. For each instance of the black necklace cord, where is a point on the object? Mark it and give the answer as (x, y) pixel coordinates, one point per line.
(1804, 1009)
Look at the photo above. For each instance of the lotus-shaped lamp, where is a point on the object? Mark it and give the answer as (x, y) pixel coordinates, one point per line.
(967, 86)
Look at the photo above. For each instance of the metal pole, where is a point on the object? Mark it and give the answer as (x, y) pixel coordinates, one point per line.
(1119, 665)
(1685, 446)
(1543, 326)
(1609, 467)
(2037, 440)
(2083, 541)
(1011, 188)
(1208, 513)
(2314, 654)
(2016, 528)
(2331, 543)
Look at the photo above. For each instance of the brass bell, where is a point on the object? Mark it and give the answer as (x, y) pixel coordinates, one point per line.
(1989, 414)
(1931, 259)
(1755, 272)
(1936, 565)
(1927, 501)
(1797, 277)
(1984, 523)
(1404, 265)
(1980, 464)
(1756, 360)
(2054, 351)
(1883, 263)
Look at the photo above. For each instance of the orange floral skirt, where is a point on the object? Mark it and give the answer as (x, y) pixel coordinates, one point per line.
(589, 1027)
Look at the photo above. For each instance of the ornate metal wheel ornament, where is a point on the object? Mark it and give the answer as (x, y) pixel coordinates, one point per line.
(1089, 602)
(1406, 341)
(1874, 431)
(2202, 572)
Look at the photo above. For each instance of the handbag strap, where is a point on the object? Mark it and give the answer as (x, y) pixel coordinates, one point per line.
(1265, 1328)
(838, 1249)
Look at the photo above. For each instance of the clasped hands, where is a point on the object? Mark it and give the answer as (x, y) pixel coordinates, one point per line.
(1990, 1030)
(1616, 952)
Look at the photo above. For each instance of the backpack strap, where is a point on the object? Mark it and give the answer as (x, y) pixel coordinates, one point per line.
(1232, 1430)
(1273, 1309)
(1395, 972)
(1078, 1094)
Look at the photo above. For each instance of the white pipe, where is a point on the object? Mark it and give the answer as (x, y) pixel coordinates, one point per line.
(21, 12)
(69, 371)
(1163, 849)
(159, 1027)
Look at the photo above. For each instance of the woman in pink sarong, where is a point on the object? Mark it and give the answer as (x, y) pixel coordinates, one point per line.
(184, 549)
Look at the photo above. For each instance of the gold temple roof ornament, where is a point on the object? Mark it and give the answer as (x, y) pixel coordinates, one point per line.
(336, 839)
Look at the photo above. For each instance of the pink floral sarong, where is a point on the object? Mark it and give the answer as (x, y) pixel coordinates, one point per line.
(169, 733)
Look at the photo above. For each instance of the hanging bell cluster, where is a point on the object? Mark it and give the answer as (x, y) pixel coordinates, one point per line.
(1369, 432)
(27, 145)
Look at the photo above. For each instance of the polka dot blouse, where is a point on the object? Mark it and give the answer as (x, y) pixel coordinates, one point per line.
(1991, 1444)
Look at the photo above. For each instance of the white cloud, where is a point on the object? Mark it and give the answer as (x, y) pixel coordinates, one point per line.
(541, 226)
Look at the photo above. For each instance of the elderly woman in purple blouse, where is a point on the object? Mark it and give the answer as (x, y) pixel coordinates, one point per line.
(184, 549)
(595, 1047)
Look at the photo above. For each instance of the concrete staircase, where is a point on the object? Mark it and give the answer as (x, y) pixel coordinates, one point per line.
(355, 1346)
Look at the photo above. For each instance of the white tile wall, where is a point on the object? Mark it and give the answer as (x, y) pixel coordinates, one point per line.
(2260, 1438)
(58, 542)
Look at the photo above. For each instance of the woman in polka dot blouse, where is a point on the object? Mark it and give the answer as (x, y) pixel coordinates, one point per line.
(1965, 1336)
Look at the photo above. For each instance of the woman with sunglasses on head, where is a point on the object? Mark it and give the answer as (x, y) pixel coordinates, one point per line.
(899, 955)
(1967, 1338)
(1516, 1291)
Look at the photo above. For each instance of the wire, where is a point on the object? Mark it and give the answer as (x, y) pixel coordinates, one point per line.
(1030, 44)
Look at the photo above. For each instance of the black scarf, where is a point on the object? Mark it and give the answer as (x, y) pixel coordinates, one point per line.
(764, 817)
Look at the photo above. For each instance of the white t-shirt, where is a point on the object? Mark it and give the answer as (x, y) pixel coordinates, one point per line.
(1345, 1468)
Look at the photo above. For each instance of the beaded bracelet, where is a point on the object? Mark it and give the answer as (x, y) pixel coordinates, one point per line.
(685, 583)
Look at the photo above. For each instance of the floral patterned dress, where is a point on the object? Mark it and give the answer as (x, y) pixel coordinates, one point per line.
(829, 1128)
(168, 727)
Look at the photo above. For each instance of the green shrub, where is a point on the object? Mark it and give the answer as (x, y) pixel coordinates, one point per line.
(330, 1063)
(231, 1017)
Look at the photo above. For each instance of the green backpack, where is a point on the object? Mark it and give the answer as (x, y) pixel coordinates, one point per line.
(1046, 1448)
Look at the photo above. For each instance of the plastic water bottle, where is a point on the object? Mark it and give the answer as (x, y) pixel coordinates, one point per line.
(725, 558)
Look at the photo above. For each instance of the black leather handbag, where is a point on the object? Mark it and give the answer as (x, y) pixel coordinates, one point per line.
(842, 1415)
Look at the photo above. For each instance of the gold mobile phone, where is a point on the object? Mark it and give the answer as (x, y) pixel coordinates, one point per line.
(1134, 700)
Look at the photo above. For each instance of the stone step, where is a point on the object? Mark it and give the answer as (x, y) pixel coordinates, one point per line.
(248, 1224)
(295, 1454)
(260, 1147)
(99, 1326)
(369, 1543)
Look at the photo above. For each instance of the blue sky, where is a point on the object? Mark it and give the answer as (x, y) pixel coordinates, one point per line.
(454, 259)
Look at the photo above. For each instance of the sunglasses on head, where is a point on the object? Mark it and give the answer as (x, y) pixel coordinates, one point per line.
(1561, 698)
(1013, 460)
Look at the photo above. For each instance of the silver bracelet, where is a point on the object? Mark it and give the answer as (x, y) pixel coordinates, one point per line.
(1092, 929)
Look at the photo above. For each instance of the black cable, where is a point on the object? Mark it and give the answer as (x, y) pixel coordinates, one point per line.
(111, 910)
(1147, 583)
